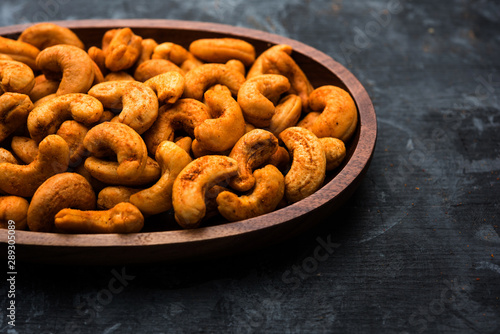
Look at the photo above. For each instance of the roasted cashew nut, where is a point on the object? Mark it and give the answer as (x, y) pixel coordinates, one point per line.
(70, 64)
(99, 58)
(7, 156)
(251, 151)
(106, 172)
(188, 193)
(123, 50)
(220, 50)
(42, 88)
(16, 77)
(153, 67)
(258, 95)
(43, 35)
(201, 78)
(25, 148)
(220, 133)
(20, 51)
(110, 196)
(65, 190)
(46, 118)
(74, 133)
(307, 173)
(176, 54)
(335, 152)
(264, 198)
(148, 47)
(338, 115)
(277, 60)
(14, 110)
(130, 149)
(23, 180)
(138, 102)
(122, 218)
(13, 208)
(286, 114)
(236, 65)
(158, 198)
(185, 114)
(168, 86)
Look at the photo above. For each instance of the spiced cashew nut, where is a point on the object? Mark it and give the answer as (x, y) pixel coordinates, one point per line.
(13, 208)
(14, 110)
(45, 34)
(168, 86)
(16, 77)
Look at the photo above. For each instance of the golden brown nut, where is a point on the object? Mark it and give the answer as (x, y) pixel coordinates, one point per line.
(16, 77)
(236, 65)
(176, 54)
(14, 110)
(153, 67)
(158, 198)
(201, 78)
(338, 113)
(148, 47)
(220, 133)
(264, 198)
(138, 102)
(184, 143)
(185, 114)
(307, 173)
(286, 114)
(20, 51)
(110, 196)
(23, 180)
(106, 172)
(220, 50)
(25, 148)
(46, 118)
(13, 208)
(131, 152)
(42, 88)
(45, 34)
(65, 190)
(123, 50)
(168, 86)
(74, 133)
(67, 63)
(251, 151)
(334, 152)
(99, 58)
(7, 156)
(122, 218)
(188, 193)
(258, 95)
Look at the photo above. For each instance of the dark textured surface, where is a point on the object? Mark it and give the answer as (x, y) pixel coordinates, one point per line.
(415, 250)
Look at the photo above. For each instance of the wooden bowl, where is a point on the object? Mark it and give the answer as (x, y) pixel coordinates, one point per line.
(154, 245)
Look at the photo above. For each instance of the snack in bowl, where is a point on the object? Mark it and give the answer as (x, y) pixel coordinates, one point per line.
(285, 160)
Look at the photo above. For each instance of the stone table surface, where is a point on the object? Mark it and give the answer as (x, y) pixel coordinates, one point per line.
(415, 250)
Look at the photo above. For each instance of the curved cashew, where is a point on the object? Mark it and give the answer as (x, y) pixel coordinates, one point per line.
(148, 47)
(106, 172)
(118, 76)
(168, 86)
(43, 35)
(7, 156)
(338, 113)
(220, 50)
(188, 193)
(251, 150)
(199, 79)
(236, 65)
(123, 50)
(65, 190)
(20, 51)
(138, 102)
(122, 218)
(258, 95)
(264, 198)
(176, 54)
(130, 149)
(14, 110)
(307, 173)
(221, 133)
(185, 114)
(16, 77)
(107, 38)
(286, 114)
(25, 148)
(153, 67)
(13, 208)
(334, 152)
(76, 66)
(110, 196)
(46, 118)
(277, 60)
(99, 58)
(23, 180)
(74, 133)
(158, 198)
(42, 88)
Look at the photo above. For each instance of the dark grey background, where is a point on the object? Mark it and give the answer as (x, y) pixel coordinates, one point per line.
(415, 250)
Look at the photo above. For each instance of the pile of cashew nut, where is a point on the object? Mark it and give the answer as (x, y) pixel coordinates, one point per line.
(96, 140)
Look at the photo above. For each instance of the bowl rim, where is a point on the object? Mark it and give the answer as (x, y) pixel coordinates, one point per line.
(354, 168)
